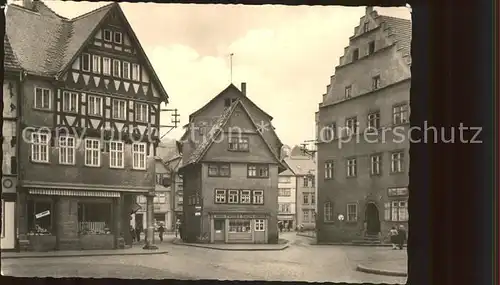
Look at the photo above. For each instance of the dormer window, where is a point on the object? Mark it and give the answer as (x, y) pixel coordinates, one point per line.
(118, 37)
(355, 54)
(365, 27)
(107, 35)
(348, 92)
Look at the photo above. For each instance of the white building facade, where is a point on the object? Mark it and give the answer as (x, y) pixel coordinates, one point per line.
(287, 188)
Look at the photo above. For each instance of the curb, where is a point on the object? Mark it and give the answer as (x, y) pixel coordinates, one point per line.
(83, 255)
(283, 247)
(304, 235)
(356, 244)
(364, 269)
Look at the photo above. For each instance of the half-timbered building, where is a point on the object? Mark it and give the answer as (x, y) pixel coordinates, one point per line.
(89, 114)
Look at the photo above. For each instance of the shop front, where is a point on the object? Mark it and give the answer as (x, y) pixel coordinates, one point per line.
(73, 220)
(238, 228)
(8, 238)
(287, 221)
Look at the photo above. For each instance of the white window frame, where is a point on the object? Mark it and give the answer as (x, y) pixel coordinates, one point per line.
(260, 225)
(328, 212)
(96, 64)
(305, 199)
(313, 199)
(246, 197)
(40, 146)
(141, 112)
(396, 211)
(136, 72)
(89, 62)
(397, 162)
(67, 146)
(117, 103)
(233, 197)
(162, 198)
(70, 99)
(348, 219)
(46, 96)
(258, 197)
(139, 156)
(220, 196)
(400, 114)
(376, 82)
(106, 66)
(110, 35)
(374, 117)
(284, 179)
(375, 163)
(348, 92)
(305, 215)
(126, 67)
(117, 68)
(116, 152)
(351, 126)
(121, 37)
(94, 103)
(352, 168)
(329, 166)
(93, 151)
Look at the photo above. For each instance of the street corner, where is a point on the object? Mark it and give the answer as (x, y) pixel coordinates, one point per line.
(378, 271)
(281, 245)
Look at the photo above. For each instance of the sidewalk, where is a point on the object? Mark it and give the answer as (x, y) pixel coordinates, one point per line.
(309, 234)
(381, 261)
(283, 244)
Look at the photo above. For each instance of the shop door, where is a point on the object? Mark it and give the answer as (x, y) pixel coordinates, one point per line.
(220, 232)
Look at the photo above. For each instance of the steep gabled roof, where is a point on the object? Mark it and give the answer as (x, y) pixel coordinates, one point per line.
(401, 29)
(10, 61)
(288, 171)
(231, 86)
(301, 165)
(217, 128)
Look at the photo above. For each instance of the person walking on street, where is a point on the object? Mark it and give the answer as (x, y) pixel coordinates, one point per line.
(393, 235)
(161, 230)
(281, 226)
(132, 233)
(401, 236)
(138, 231)
(177, 227)
(289, 226)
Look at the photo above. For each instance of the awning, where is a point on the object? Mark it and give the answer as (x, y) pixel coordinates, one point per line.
(79, 193)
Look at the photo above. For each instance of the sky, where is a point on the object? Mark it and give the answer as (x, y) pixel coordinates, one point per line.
(285, 54)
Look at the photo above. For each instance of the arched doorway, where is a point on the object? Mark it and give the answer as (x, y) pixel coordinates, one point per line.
(372, 219)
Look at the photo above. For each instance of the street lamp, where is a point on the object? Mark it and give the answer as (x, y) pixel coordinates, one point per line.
(341, 217)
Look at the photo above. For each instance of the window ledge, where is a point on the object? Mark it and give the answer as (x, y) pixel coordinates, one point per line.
(40, 162)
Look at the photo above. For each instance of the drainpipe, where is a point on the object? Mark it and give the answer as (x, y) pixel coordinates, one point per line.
(20, 94)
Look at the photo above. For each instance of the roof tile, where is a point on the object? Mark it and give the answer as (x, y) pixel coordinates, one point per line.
(401, 29)
(10, 59)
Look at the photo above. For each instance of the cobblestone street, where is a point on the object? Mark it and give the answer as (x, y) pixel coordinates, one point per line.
(300, 262)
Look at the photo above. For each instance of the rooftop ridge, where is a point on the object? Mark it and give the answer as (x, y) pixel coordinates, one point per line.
(93, 12)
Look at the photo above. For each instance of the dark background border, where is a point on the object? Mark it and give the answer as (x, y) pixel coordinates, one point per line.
(451, 239)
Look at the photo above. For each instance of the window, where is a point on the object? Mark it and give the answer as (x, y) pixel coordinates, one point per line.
(126, 70)
(116, 154)
(400, 114)
(106, 66)
(141, 199)
(260, 171)
(328, 212)
(238, 144)
(374, 121)
(397, 162)
(284, 207)
(371, 47)
(259, 226)
(239, 226)
(40, 217)
(396, 211)
(159, 179)
(348, 92)
(40, 147)
(376, 82)
(117, 68)
(66, 150)
(220, 196)
(42, 98)
(308, 181)
(375, 164)
(139, 156)
(94, 218)
(161, 198)
(365, 27)
(284, 192)
(355, 54)
(329, 132)
(306, 217)
(219, 170)
(96, 64)
(351, 125)
(351, 167)
(329, 170)
(85, 62)
(245, 197)
(92, 152)
(141, 112)
(118, 37)
(306, 199)
(107, 35)
(284, 180)
(70, 102)
(136, 72)
(352, 212)
(119, 107)
(258, 197)
(94, 104)
(232, 197)
(400, 191)
(313, 198)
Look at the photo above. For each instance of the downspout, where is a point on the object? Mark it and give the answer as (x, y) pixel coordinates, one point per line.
(19, 132)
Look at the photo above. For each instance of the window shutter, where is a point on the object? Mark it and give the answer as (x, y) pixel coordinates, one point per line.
(387, 211)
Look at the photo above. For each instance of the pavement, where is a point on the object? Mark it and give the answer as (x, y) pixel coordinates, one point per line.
(299, 262)
(283, 244)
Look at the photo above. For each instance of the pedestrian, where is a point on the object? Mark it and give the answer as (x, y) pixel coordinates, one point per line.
(181, 231)
(281, 226)
(393, 235)
(138, 231)
(132, 233)
(290, 226)
(161, 230)
(401, 236)
(177, 227)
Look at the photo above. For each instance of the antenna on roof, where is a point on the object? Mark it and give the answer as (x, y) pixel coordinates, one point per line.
(231, 65)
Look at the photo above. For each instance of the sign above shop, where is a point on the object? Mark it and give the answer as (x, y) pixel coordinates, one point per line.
(239, 216)
(197, 214)
(42, 214)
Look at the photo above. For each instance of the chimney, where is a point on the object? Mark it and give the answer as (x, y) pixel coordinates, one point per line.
(369, 10)
(244, 88)
(28, 4)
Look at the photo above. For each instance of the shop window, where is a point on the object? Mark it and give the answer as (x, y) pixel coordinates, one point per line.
(239, 226)
(259, 225)
(94, 218)
(40, 217)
